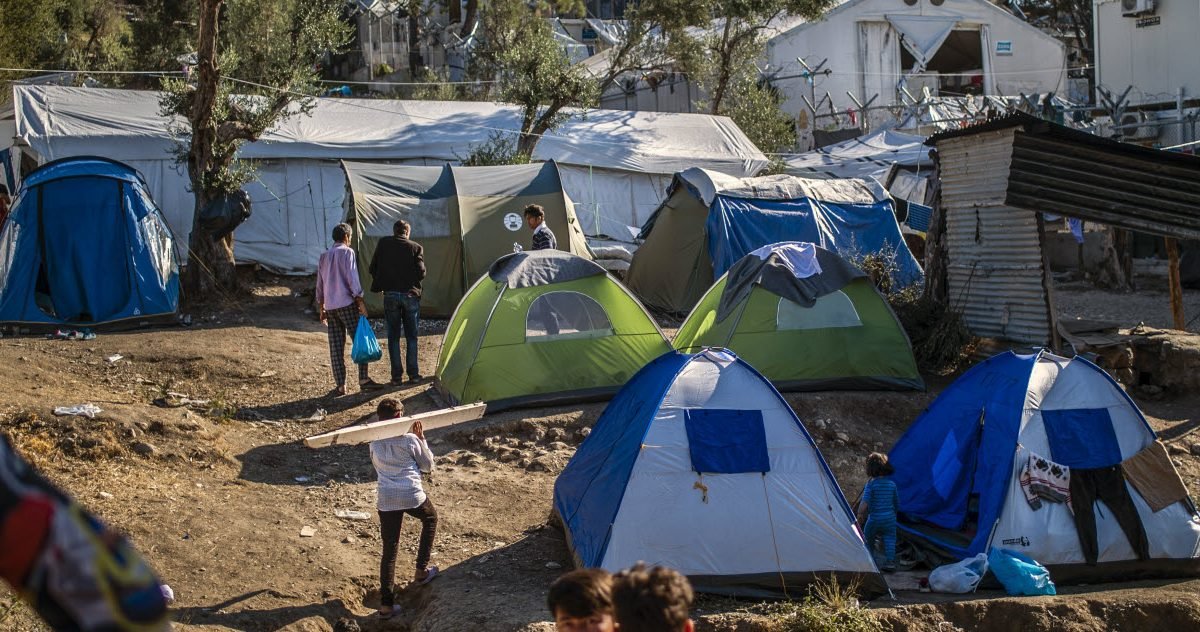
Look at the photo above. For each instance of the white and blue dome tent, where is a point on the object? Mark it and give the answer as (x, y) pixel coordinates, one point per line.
(699, 464)
(958, 471)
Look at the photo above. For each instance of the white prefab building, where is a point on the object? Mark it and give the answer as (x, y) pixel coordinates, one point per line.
(614, 165)
(1150, 45)
(873, 48)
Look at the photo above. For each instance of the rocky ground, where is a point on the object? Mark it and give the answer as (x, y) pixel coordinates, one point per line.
(197, 456)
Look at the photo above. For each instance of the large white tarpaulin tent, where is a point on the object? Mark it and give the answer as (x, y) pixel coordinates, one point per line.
(615, 165)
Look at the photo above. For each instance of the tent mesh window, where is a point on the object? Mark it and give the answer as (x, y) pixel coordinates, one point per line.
(830, 311)
(559, 315)
(8, 251)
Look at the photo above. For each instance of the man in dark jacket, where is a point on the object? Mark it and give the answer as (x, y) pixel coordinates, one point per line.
(397, 269)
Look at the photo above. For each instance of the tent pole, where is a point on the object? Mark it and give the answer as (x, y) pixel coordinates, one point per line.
(1174, 283)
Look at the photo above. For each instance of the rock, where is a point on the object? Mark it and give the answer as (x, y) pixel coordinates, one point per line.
(843, 437)
(558, 445)
(1150, 391)
(346, 624)
(509, 456)
(307, 531)
(143, 448)
(537, 465)
(524, 463)
(583, 432)
(349, 540)
(1195, 449)
(537, 434)
(553, 566)
(471, 460)
(821, 424)
(105, 495)
(556, 434)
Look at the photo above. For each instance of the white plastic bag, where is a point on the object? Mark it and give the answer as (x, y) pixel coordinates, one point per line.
(959, 577)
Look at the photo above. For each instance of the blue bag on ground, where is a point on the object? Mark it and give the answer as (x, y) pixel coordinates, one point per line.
(366, 346)
(1019, 574)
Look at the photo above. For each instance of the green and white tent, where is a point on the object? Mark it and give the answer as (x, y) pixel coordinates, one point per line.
(465, 217)
(545, 327)
(806, 319)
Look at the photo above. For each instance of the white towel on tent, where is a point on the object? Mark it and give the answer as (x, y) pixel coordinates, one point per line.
(800, 257)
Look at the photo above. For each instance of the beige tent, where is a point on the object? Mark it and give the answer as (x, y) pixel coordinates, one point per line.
(465, 217)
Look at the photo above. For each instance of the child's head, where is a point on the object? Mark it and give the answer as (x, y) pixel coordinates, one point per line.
(581, 601)
(878, 465)
(652, 599)
(388, 409)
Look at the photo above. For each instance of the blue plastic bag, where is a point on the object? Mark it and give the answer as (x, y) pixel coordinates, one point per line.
(1019, 574)
(366, 346)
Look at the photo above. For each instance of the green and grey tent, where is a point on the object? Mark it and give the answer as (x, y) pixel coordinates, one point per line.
(465, 217)
(806, 319)
(545, 327)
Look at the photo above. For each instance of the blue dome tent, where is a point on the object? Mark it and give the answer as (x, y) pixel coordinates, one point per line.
(960, 464)
(83, 246)
(699, 464)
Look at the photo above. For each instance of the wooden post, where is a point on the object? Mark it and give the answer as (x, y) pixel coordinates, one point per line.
(1174, 283)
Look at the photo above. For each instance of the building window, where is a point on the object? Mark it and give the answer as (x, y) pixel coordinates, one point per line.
(830, 311)
(562, 315)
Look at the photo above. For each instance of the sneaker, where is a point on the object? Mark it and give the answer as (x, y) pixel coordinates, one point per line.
(415, 379)
(888, 568)
(369, 385)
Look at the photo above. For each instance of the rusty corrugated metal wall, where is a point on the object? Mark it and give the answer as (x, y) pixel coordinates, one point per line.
(995, 269)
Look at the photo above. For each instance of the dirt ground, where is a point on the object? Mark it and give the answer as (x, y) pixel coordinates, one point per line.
(215, 492)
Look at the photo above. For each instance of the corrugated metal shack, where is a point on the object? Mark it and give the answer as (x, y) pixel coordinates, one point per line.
(996, 180)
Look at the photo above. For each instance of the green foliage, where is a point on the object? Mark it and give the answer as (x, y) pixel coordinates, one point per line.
(499, 149)
(64, 34)
(162, 33)
(757, 110)
(940, 338)
(268, 56)
(533, 69)
(829, 606)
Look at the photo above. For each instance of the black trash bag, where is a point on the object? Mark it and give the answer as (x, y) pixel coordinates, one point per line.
(225, 213)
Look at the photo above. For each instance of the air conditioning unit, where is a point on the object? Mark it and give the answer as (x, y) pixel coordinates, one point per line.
(1133, 127)
(1135, 8)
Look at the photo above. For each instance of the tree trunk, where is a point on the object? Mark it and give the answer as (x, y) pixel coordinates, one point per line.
(723, 71)
(210, 263)
(415, 62)
(468, 22)
(211, 270)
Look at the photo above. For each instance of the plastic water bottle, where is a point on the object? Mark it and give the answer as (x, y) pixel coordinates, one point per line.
(517, 247)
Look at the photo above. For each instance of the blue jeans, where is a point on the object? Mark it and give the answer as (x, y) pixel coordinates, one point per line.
(401, 312)
(882, 530)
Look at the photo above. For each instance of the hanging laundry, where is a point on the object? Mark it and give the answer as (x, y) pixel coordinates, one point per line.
(1076, 226)
(1154, 477)
(1107, 484)
(1043, 479)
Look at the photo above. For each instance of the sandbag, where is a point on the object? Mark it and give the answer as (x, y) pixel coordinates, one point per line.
(1020, 575)
(365, 347)
(959, 577)
(224, 214)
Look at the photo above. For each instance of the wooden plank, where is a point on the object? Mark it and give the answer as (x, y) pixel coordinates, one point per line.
(376, 430)
(1174, 283)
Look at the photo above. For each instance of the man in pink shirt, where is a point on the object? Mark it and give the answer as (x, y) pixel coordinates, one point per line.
(340, 301)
